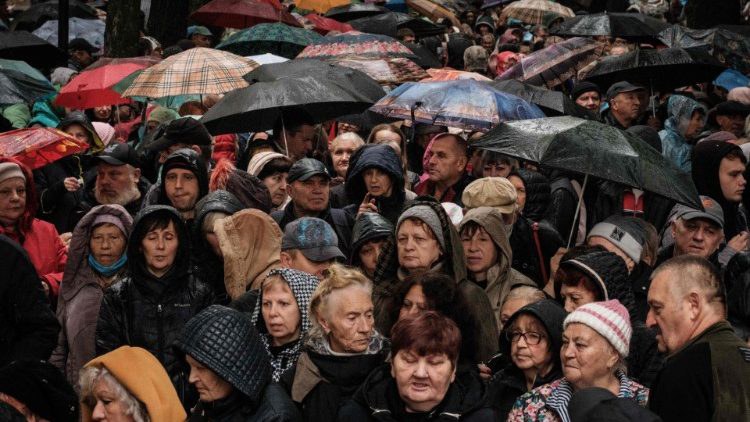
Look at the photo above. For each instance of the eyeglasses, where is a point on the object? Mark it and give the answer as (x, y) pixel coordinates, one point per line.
(530, 337)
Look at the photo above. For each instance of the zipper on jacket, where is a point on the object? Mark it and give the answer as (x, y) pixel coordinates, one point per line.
(160, 331)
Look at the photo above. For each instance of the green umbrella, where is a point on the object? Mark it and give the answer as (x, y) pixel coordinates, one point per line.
(22, 67)
(275, 38)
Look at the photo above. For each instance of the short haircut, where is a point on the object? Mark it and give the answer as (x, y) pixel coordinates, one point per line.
(191, 107)
(292, 122)
(405, 32)
(277, 165)
(337, 277)
(492, 157)
(346, 136)
(694, 272)
(91, 375)
(426, 334)
(530, 294)
(736, 153)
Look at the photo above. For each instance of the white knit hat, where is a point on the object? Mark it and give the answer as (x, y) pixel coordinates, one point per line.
(610, 319)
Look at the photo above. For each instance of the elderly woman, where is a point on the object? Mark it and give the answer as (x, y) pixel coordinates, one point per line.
(341, 149)
(419, 384)
(96, 259)
(128, 384)
(533, 339)
(342, 347)
(596, 341)
(230, 370)
(40, 239)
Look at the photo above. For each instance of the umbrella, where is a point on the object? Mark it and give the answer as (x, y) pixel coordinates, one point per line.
(729, 48)
(555, 64)
(390, 23)
(449, 74)
(92, 30)
(320, 6)
(354, 11)
(355, 44)
(242, 13)
(321, 90)
(23, 67)
(730, 79)
(17, 87)
(455, 6)
(433, 11)
(424, 58)
(397, 6)
(466, 104)
(37, 147)
(22, 45)
(37, 14)
(324, 25)
(660, 69)
(93, 87)
(386, 71)
(267, 58)
(195, 71)
(552, 103)
(535, 11)
(275, 38)
(630, 26)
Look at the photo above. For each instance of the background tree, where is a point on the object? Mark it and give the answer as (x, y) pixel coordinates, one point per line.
(124, 22)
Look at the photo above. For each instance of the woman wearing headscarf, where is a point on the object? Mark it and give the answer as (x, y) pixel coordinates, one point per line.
(685, 122)
(96, 259)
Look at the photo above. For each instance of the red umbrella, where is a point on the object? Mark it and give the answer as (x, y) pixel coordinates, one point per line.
(37, 147)
(93, 87)
(323, 25)
(242, 13)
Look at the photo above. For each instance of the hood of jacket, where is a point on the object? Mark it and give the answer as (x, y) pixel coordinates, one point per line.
(79, 118)
(368, 226)
(538, 194)
(491, 220)
(485, 20)
(250, 241)
(302, 285)
(145, 378)
(77, 271)
(551, 315)
(369, 156)
(216, 201)
(680, 110)
(187, 159)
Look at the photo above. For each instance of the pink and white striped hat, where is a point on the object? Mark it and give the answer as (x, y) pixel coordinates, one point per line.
(610, 319)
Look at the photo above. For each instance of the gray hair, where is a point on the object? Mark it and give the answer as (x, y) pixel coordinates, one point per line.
(91, 375)
(346, 136)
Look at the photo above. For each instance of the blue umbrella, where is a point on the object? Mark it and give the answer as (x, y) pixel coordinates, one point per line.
(466, 104)
(92, 30)
(730, 79)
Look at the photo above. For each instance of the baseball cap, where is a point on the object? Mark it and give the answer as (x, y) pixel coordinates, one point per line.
(186, 130)
(731, 108)
(313, 237)
(620, 87)
(305, 169)
(713, 211)
(200, 30)
(81, 44)
(118, 154)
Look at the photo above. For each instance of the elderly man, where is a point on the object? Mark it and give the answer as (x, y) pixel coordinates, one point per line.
(309, 244)
(730, 117)
(446, 167)
(695, 232)
(707, 373)
(624, 105)
(118, 179)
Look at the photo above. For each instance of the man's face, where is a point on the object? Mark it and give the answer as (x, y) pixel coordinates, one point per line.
(82, 57)
(447, 161)
(182, 189)
(734, 123)
(668, 314)
(115, 183)
(201, 40)
(731, 178)
(590, 100)
(627, 105)
(488, 42)
(695, 126)
(300, 143)
(699, 237)
(409, 38)
(311, 195)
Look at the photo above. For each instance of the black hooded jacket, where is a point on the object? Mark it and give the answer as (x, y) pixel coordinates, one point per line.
(148, 311)
(184, 158)
(537, 194)
(526, 257)
(368, 226)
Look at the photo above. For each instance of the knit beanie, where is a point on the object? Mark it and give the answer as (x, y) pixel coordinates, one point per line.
(582, 87)
(10, 170)
(163, 115)
(624, 234)
(610, 319)
(259, 161)
(428, 216)
(608, 271)
(105, 131)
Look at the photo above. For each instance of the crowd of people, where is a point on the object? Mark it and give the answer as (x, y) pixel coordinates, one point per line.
(347, 270)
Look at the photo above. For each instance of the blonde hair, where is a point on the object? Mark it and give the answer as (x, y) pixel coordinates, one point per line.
(337, 277)
(88, 378)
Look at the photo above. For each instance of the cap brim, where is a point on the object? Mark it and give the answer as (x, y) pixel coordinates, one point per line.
(312, 173)
(325, 253)
(109, 160)
(690, 215)
(158, 144)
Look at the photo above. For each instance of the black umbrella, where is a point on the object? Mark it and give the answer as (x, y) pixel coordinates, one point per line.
(425, 59)
(631, 26)
(390, 23)
(355, 11)
(552, 103)
(593, 149)
(17, 87)
(37, 14)
(321, 90)
(25, 46)
(729, 48)
(660, 69)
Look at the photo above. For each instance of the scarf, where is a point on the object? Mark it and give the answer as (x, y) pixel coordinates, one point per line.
(107, 271)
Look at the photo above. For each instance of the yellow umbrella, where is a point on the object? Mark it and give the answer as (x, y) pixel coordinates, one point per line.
(320, 6)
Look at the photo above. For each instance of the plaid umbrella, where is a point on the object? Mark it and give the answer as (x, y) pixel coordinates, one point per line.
(355, 44)
(386, 71)
(555, 64)
(320, 6)
(536, 11)
(37, 147)
(242, 13)
(195, 71)
(323, 25)
(437, 75)
(275, 38)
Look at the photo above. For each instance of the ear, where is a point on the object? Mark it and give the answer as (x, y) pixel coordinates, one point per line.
(695, 305)
(324, 323)
(136, 173)
(613, 358)
(286, 259)
(453, 375)
(196, 148)
(393, 370)
(673, 228)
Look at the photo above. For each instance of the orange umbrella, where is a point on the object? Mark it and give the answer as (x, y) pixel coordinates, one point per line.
(37, 147)
(320, 6)
(452, 75)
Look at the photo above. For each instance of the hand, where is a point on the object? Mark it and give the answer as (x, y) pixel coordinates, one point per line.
(739, 242)
(65, 238)
(367, 205)
(484, 372)
(72, 184)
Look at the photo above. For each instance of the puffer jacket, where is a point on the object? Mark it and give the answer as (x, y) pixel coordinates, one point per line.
(537, 194)
(675, 146)
(561, 210)
(378, 400)
(145, 311)
(81, 295)
(526, 257)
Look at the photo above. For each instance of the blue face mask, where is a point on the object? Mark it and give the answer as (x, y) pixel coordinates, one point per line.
(110, 270)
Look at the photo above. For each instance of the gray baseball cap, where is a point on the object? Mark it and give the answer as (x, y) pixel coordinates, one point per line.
(314, 237)
(713, 211)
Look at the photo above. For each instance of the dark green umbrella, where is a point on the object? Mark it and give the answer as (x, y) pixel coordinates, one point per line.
(17, 87)
(275, 38)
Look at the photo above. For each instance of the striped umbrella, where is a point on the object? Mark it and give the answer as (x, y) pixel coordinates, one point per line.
(536, 11)
(356, 44)
(275, 38)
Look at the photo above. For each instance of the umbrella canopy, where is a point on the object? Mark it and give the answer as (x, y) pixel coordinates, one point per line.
(37, 147)
(267, 58)
(660, 69)
(25, 46)
(387, 71)
(433, 11)
(390, 23)
(425, 59)
(196, 71)
(536, 11)
(39, 13)
(455, 6)
(465, 104)
(92, 30)
(630, 26)
(321, 90)
(275, 38)
(324, 25)
(93, 87)
(594, 149)
(448, 74)
(555, 64)
(242, 13)
(729, 48)
(552, 103)
(17, 87)
(23, 67)
(320, 6)
(356, 44)
(355, 11)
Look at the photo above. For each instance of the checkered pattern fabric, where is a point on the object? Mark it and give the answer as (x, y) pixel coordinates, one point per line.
(535, 11)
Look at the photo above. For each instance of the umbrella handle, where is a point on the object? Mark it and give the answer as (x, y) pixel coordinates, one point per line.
(413, 121)
(283, 135)
(578, 210)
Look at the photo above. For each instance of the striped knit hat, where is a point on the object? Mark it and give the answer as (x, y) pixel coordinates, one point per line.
(610, 319)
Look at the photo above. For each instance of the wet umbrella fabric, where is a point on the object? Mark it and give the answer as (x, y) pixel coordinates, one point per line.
(275, 38)
(93, 87)
(424, 58)
(324, 25)
(17, 87)
(23, 67)
(390, 23)
(448, 74)
(37, 147)
(387, 71)
(356, 44)
(535, 11)
(355, 11)
(729, 48)
(242, 13)
(320, 6)
(36, 15)
(92, 30)
(630, 26)
(465, 104)
(25, 46)
(552, 103)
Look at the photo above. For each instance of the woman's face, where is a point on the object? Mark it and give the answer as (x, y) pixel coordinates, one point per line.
(377, 182)
(277, 187)
(414, 302)
(422, 381)
(210, 386)
(517, 183)
(575, 296)
(281, 313)
(107, 406)
(479, 249)
(107, 244)
(587, 358)
(695, 125)
(389, 138)
(369, 254)
(348, 319)
(340, 155)
(77, 131)
(102, 113)
(523, 352)
(417, 247)
(12, 200)
(159, 248)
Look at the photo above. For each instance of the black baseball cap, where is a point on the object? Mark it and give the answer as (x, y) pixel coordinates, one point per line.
(118, 154)
(305, 169)
(185, 130)
(620, 87)
(731, 108)
(81, 44)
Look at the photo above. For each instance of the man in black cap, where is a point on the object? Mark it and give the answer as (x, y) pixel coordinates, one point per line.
(185, 132)
(81, 54)
(587, 95)
(118, 179)
(624, 105)
(730, 116)
(308, 184)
